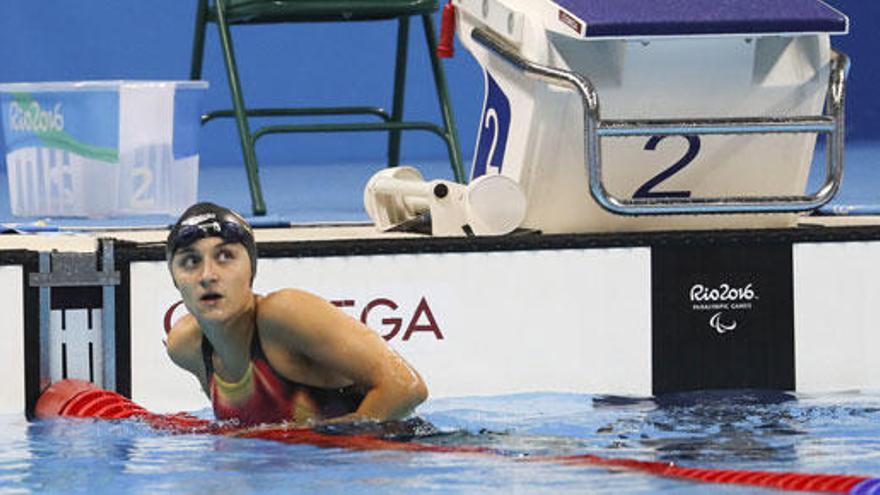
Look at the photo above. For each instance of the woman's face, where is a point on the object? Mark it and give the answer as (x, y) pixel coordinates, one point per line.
(214, 279)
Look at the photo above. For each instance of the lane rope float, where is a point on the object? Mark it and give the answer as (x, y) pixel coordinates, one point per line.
(81, 399)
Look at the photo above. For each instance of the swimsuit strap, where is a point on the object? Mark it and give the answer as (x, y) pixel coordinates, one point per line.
(207, 354)
(257, 355)
(257, 349)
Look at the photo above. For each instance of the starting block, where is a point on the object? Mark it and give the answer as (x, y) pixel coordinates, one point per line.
(610, 112)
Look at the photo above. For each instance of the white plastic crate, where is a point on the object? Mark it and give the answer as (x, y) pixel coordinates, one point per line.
(101, 148)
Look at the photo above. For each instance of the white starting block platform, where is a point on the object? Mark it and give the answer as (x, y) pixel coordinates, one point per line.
(607, 112)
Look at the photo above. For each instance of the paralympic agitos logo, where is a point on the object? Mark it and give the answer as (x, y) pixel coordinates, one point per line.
(721, 300)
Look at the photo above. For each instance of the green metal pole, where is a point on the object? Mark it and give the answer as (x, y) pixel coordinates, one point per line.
(399, 89)
(445, 105)
(198, 51)
(258, 206)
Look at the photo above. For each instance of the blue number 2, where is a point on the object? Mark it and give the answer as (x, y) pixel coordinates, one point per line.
(646, 190)
(494, 130)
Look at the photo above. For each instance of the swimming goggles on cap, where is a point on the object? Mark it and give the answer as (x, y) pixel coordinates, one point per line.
(229, 231)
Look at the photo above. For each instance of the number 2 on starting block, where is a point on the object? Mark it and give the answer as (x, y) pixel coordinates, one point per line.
(494, 129)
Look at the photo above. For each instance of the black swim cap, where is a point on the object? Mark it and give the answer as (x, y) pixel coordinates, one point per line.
(203, 220)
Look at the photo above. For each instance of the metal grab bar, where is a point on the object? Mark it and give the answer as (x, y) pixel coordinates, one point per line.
(831, 123)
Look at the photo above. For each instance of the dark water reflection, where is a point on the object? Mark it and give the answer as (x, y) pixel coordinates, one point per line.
(730, 428)
(710, 427)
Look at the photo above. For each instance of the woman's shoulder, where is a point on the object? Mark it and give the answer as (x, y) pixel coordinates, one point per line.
(289, 312)
(288, 302)
(283, 296)
(185, 342)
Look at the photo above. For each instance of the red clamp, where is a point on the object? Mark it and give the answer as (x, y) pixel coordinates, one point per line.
(445, 48)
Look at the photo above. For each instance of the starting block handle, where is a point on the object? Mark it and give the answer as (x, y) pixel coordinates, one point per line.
(831, 123)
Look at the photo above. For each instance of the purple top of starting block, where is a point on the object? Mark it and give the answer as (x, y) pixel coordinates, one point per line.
(622, 18)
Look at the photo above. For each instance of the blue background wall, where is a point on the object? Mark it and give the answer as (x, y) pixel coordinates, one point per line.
(44, 40)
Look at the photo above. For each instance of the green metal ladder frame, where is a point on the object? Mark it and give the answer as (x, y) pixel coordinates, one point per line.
(393, 123)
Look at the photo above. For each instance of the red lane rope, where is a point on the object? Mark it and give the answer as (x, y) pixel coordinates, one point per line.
(73, 398)
(831, 483)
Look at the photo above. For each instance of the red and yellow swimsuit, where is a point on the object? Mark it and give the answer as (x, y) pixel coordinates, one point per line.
(264, 396)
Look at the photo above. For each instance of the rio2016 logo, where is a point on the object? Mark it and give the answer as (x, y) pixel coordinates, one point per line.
(421, 319)
(31, 117)
(724, 292)
(721, 298)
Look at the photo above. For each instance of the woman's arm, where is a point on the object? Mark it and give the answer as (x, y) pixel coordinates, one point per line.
(184, 347)
(341, 346)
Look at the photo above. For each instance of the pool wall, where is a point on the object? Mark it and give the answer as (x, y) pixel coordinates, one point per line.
(623, 314)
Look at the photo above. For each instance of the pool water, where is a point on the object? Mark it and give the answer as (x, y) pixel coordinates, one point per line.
(833, 433)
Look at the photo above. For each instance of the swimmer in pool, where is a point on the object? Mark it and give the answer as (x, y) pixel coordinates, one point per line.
(287, 356)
